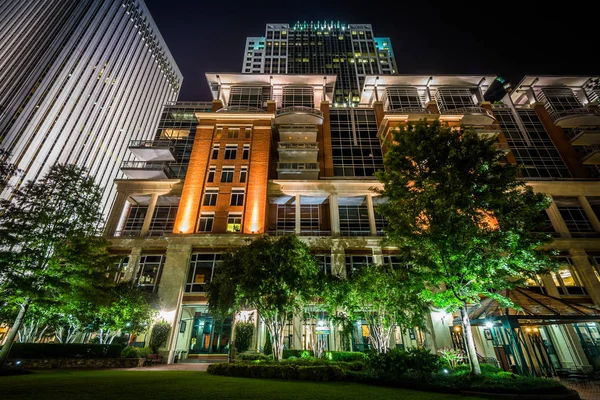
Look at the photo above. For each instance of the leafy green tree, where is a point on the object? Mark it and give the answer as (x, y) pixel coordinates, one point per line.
(462, 217)
(160, 333)
(274, 276)
(48, 247)
(385, 298)
(244, 331)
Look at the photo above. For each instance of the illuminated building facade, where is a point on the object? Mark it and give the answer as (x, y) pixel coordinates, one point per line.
(78, 81)
(271, 155)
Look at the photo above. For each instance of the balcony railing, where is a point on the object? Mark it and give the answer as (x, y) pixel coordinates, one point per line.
(408, 110)
(469, 110)
(355, 233)
(556, 115)
(138, 233)
(300, 110)
(298, 146)
(241, 109)
(195, 104)
(146, 170)
(304, 232)
(165, 144)
(297, 166)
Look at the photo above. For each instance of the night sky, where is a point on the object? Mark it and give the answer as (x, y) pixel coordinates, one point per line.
(509, 40)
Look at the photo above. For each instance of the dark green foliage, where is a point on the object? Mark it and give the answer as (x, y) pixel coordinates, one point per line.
(278, 371)
(297, 353)
(60, 350)
(397, 364)
(486, 369)
(251, 356)
(268, 349)
(160, 333)
(345, 356)
(135, 352)
(243, 335)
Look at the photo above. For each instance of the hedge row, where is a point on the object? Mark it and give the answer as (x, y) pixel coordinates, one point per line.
(343, 356)
(64, 350)
(275, 371)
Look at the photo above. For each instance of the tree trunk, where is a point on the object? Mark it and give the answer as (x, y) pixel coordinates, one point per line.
(12, 333)
(468, 335)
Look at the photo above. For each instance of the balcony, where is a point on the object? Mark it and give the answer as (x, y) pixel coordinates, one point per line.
(411, 113)
(476, 116)
(292, 152)
(589, 155)
(298, 171)
(577, 117)
(298, 115)
(584, 136)
(146, 170)
(241, 110)
(153, 150)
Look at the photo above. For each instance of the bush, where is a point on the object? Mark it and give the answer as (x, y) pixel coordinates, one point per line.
(136, 352)
(287, 353)
(278, 371)
(397, 364)
(268, 349)
(250, 356)
(486, 369)
(64, 350)
(243, 335)
(345, 356)
(160, 333)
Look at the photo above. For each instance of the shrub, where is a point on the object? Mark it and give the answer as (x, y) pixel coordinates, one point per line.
(345, 356)
(278, 371)
(64, 350)
(397, 364)
(250, 356)
(486, 369)
(160, 333)
(452, 357)
(287, 353)
(131, 352)
(268, 349)
(243, 335)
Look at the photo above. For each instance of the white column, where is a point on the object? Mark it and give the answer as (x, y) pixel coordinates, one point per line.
(115, 214)
(149, 214)
(589, 212)
(338, 259)
(134, 259)
(371, 211)
(298, 226)
(377, 255)
(557, 220)
(585, 271)
(334, 213)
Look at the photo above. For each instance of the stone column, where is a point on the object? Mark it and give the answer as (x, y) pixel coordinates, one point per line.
(132, 265)
(115, 214)
(298, 225)
(371, 211)
(557, 220)
(338, 259)
(377, 255)
(585, 271)
(297, 339)
(149, 214)
(575, 347)
(589, 212)
(334, 213)
(170, 289)
(549, 285)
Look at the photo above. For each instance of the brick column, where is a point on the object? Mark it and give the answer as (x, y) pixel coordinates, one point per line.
(216, 105)
(585, 270)
(258, 173)
(378, 107)
(170, 290)
(432, 107)
(325, 152)
(510, 157)
(149, 214)
(562, 143)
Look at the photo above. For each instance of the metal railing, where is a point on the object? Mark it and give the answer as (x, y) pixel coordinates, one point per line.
(469, 110)
(355, 233)
(585, 151)
(296, 166)
(138, 233)
(241, 109)
(300, 110)
(152, 143)
(574, 133)
(408, 110)
(293, 146)
(304, 232)
(195, 104)
(558, 115)
(144, 165)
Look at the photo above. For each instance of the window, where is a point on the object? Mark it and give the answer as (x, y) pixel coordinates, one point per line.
(237, 197)
(233, 133)
(202, 268)
(219, 133)
(355, 262)
(206, 222)
(210, 197)
(149, 271)
(247, 133)
(566, 280)
(118, 271)
(215, 152)
(324, 261)
(234, 222)
(230, 151)
(243, 174)
(246, 152)
(227, 174)
(211, 173)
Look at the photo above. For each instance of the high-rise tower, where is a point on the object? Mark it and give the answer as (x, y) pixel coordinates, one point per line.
(78, 81)
(349, 51)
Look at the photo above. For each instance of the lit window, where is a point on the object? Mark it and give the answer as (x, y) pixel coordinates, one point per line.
(234, 222)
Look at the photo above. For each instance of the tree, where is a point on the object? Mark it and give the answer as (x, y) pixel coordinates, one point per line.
(160, 333)
(462, 217)
(385, 298)
(244, 331)
(48, 250)
(274, 276)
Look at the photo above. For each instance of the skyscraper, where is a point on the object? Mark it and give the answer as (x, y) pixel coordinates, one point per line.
(78, 81)
(349, 51)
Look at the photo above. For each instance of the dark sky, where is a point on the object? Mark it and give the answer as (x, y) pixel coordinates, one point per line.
(493, 37)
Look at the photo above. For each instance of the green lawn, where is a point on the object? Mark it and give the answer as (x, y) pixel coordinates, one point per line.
(188, 385)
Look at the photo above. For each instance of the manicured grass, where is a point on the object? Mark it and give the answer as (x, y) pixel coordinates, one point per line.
(188, 385)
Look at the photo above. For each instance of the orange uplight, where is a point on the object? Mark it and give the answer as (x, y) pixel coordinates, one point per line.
(254, 228)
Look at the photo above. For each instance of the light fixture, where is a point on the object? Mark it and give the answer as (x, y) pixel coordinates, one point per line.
(489, 324)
